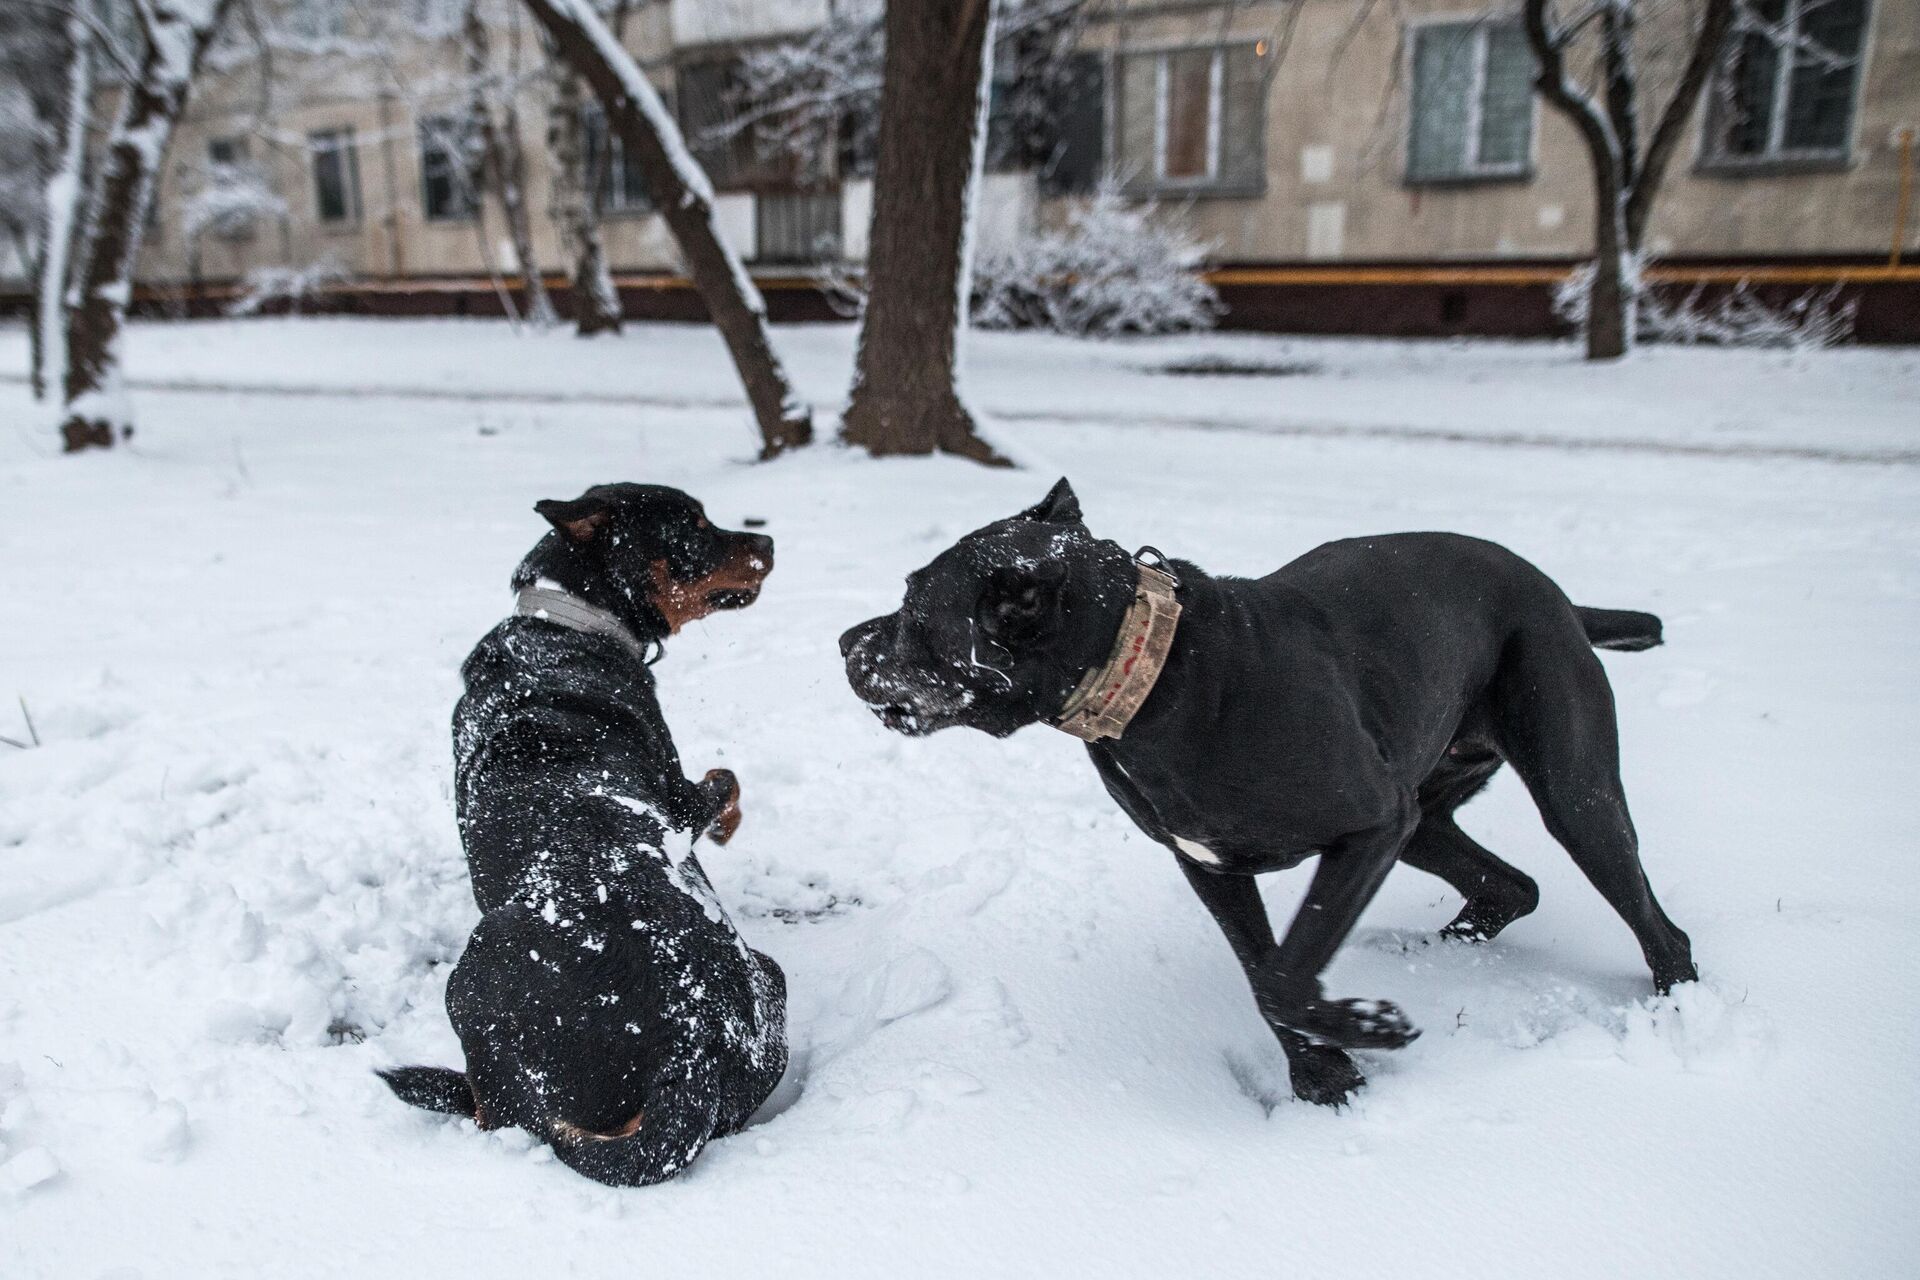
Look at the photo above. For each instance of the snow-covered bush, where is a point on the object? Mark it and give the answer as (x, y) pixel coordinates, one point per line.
(230, 197)
(1116, 267)
(1737, 318)
(291, 285)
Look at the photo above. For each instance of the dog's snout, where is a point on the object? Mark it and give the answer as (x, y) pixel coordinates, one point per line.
(852, 636)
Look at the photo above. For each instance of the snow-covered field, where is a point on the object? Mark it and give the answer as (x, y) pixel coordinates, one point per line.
(230, 884)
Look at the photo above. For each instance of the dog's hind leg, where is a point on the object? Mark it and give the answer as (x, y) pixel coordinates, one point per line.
(1555, 717)
(1496, 894)
(1319, 1073)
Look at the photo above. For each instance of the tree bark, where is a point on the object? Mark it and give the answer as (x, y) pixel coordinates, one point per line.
(685, 200)
(576, 208)
(177, 35)
(1608, 331)
(60, 215)
(905, 394)
(503, 161)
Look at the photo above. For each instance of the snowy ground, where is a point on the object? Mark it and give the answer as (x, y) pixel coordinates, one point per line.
(230, 884)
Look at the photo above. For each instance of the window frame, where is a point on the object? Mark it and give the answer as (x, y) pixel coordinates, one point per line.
(1713, 159)
(1216, 115)
(471, 209)
(1474, 172)
(612, 193)
(339, 141)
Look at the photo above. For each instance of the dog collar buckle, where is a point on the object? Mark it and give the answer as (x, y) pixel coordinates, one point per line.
(1107, 698)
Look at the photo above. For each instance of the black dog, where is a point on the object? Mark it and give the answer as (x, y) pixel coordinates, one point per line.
(1343, 706)
(605, 1002)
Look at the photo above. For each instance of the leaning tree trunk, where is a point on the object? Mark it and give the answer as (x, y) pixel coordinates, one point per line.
(596, 304)
(905, 395)
(177, 35)
(685, 199)
(60, 214)
(503, 163)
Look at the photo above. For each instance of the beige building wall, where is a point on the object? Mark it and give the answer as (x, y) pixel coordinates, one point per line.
(1337, 119)
(1332, 163)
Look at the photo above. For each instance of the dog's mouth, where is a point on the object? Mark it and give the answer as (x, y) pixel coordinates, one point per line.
(732, 597)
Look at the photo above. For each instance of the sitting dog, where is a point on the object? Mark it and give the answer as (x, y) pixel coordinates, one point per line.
(605, 1002)
(1343, 706)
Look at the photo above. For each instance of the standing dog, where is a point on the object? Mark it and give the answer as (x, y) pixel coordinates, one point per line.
(605, 1002)
(1343, 706)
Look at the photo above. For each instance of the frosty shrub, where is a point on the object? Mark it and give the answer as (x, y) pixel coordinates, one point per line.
(291, 285)
(1737, 318)
(1114, 268)
(229, 199)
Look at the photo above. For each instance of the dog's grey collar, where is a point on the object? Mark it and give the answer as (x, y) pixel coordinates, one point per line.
(1107, 698)
(554, 605)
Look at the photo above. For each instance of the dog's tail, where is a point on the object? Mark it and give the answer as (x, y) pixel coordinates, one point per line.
(1619, 628)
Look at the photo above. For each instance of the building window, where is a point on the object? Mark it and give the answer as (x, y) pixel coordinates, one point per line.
(797, 227)
(226, 153)
(1786, 91)
(316, 21)
(1186, 134)
(1472, 114)
(623, 187)
(336, 176)
(449, 168)
(1193, 120)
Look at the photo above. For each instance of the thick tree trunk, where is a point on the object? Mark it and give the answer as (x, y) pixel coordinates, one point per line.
(504, 165)
(905, 395)
(1610, 299)
(685, 200)
(177, 35)
(596, 304)
(60, 216)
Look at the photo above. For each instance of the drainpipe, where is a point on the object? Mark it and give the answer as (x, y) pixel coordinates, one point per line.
(1905, 199)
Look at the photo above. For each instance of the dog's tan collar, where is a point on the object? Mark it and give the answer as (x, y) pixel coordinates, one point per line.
(1108, 697)
(568, 610)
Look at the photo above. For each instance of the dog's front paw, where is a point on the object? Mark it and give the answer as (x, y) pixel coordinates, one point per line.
(1345, 1024)
(726, 788)
(1323, 1075)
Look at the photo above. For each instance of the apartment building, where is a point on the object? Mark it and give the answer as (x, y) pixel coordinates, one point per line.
(1354, 167)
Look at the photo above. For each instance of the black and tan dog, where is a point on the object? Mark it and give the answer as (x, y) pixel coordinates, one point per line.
(605, 1002)
(1343, 706)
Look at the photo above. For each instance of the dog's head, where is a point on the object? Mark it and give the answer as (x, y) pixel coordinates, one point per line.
(561, 1040)
(995, 632)
(649, 553)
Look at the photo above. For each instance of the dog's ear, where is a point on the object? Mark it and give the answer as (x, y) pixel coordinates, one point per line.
(432, 1088)
(1060, 506)
(579, 519)
(1020, 604)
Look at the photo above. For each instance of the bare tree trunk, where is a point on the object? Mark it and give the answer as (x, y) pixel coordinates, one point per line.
(1626, 179)
(504, 163)
(685, 199)
(60, 215)
(1607, 328)
(905, 397)
(576, 207)
(177, 35)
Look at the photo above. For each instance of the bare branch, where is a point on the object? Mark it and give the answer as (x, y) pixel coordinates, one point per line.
(1707, 44)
